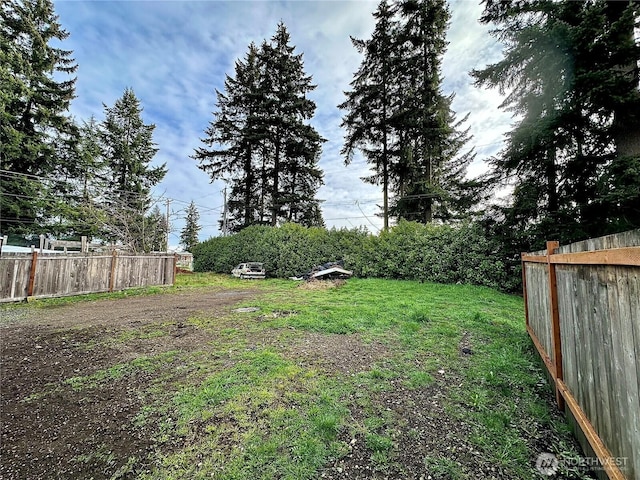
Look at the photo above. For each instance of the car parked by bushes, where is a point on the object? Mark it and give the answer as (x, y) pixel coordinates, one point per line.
(249, 270)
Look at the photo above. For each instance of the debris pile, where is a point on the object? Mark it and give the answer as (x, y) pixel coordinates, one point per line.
(326, 271)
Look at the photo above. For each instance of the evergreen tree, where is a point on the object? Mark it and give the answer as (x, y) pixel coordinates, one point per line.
(189, 234)
(295, 146)
(128, 150)
(86, 186)
(430, 176)
(260, 141)
(155, 231)
(570, 69)
(370, 104)
(233, 138)
(398, 117)
(35, 130)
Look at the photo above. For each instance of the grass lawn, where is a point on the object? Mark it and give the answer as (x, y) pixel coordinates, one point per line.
(367, 379)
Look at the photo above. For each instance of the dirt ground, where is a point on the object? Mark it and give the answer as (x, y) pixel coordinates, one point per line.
(91, 433)
(48, 438)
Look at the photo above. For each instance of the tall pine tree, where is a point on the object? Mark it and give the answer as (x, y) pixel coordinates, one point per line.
(234, 139)
(295, 146)
(370, 104)
(36, 132)
(260, 140)
(189, 234)
(128, 150)
(430, 178)
(398, 117)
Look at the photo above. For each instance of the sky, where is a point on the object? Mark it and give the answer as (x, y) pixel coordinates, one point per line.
(175, 54)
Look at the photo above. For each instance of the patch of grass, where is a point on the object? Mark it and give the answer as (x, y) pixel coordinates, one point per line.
(378, 443)
(419, 379)
(442, 468)
(121, 370)
(264, 417)
(422, 325)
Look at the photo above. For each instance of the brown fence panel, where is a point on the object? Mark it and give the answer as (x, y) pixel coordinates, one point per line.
(594, 358)
(539, 318)
(14, 277)
(74, 274)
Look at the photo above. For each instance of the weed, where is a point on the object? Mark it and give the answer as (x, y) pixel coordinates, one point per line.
(442, 468)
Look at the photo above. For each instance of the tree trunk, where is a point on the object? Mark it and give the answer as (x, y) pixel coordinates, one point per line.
(248, 213)
(276, 174)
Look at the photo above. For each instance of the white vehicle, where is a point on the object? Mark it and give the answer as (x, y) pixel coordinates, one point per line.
(249, 270)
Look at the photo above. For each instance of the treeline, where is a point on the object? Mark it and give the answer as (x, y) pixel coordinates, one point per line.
(571, 162)
(409, 250)
(569, 73)
(571, 77)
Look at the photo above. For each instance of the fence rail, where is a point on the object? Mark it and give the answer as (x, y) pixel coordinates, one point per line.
(582, 308)
(40, 276)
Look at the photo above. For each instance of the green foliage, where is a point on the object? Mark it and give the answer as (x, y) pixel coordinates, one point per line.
(127, 148)
(189, 234)
(260, 140)
(397, 116)
(409, 251)
(36, 132)
(570, 73)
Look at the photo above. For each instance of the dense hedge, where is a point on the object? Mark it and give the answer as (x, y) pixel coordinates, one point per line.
(409, 250)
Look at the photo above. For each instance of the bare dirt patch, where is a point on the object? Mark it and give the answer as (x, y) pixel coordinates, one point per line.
(49, 430)
(315, 284)
(344, 353)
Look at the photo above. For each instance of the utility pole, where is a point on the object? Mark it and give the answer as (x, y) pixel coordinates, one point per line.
(167, 229)
(224, 213)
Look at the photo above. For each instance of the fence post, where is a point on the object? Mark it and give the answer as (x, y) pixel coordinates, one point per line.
(175, 268)
(113, 270)
(555, 322)
(524, 289)
(32, 273)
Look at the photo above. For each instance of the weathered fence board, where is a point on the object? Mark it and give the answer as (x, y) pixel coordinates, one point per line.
(539, 311)
(62, 275)
(594, 362)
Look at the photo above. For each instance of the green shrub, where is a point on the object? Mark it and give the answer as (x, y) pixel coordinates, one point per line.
(409, 250)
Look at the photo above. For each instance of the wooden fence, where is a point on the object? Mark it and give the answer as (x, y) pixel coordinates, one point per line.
(582, 306)
(36, 275)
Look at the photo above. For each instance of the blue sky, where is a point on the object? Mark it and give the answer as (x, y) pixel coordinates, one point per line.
(174, 54)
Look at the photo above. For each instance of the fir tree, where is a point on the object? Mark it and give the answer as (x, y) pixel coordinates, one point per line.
(36, 133)
(128, 150)
(189, 234)
(260, 141)
(398, 117)
(233, 138)
(155, 231)
(570, 70)
(430, 175)
(370, 104)
(295, 145)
